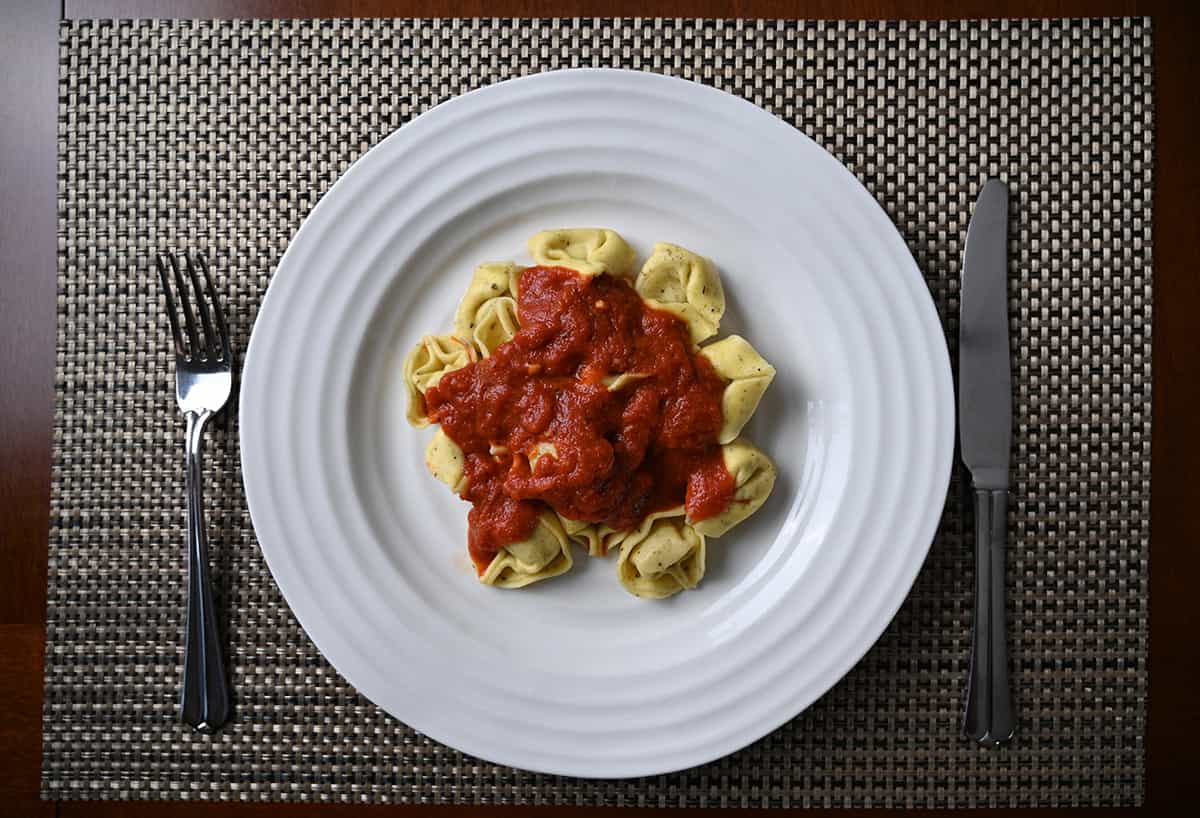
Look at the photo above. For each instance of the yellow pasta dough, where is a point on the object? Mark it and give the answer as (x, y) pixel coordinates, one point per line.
(588, 250)
(495, 279)
(545, 553)
(661, 558)
(586, 534)
(753, 478)
(611, 538)
(446, 462)
(495, 323)
(541, 449)
(748, 374)
(617, 382)
(686, 285)
(430, 359)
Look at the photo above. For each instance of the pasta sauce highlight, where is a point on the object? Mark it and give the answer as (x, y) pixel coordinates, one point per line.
(599, 407)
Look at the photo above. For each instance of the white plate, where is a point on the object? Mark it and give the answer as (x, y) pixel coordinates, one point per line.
(574, 676)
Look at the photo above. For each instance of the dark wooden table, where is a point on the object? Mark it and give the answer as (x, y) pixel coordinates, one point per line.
(28, 115)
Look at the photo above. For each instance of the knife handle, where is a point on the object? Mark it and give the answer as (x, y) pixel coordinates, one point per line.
(989, 717)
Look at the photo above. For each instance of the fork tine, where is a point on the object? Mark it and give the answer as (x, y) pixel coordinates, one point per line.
(210, 341)
(189, 319)
(172, 314)
(222, 327)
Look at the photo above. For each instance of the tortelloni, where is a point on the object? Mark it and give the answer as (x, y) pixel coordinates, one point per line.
(685, 284)
(430, 359)
(446, 462)
(753, 478)
(660, 558)
(748, 374)
(544, 554)
(490, 282)
(495, 323)
(588, 250)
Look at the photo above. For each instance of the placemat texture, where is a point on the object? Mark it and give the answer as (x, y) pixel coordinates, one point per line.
(223, 135)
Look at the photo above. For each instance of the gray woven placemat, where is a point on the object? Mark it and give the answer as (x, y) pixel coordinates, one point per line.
(224, 135)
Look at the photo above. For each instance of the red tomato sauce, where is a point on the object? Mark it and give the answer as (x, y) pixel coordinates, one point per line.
(621, 454)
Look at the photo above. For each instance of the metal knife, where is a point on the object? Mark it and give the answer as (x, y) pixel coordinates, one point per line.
(985, 429)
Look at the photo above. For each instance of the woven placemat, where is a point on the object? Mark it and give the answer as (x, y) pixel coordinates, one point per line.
(224, 135)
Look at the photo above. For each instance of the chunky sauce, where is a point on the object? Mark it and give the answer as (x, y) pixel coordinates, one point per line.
(619, 455)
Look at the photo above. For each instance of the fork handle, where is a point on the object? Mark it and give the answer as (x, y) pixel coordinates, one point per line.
(989, 717)
(204, 703)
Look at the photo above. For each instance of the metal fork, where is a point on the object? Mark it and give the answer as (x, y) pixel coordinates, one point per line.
(203, 381)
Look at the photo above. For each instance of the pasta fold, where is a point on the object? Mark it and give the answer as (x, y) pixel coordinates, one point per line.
(586, 534)
(753, 478)
(611, 538)
(495, 279)
(685, 284)
(429, 360)
(748, 374)
(446, 461)
(661, 558)
(495, 323)
(545, 553)
(587, 250)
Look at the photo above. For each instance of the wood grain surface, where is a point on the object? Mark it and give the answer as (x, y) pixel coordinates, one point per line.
(28, 88)
(28, 237)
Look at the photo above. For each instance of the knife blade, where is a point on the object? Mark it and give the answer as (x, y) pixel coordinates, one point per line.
(985, 439)
(985, 377)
